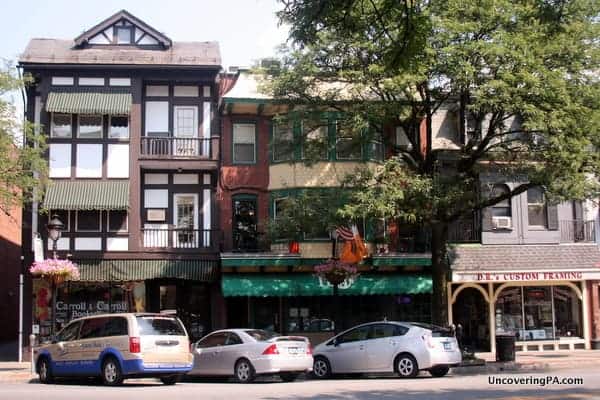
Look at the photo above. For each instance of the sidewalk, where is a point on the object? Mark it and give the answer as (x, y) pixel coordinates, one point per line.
(533, 362)
(14, 372)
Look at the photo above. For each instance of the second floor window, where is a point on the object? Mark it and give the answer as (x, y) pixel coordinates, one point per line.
(90, 126)
(315, 144)
(61, 126)
(283, 141)
(244, 143)
(88, 221)
(502, 208)
(118, 127)
(348, 144)
(536, 207)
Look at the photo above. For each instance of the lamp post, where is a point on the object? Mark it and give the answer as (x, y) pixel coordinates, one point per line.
(55, 227)
(336, 300)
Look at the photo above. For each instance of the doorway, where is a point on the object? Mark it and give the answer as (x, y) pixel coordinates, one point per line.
(471, 311)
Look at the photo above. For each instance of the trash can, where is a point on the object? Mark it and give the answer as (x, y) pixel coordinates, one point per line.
(505, 347)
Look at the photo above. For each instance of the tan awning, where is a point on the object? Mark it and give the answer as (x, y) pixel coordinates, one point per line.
(87, 195)
(89, 103)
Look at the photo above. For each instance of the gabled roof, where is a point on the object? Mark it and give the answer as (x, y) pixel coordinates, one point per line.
(123, 14)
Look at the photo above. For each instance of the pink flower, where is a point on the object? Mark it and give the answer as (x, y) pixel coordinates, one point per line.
(337, 269)
(53, 267)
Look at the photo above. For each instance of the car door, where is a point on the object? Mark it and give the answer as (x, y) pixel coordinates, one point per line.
(229, 354)
(206, 357)
(347, 354)
(65, 352)
(90, 344)
(384, 343)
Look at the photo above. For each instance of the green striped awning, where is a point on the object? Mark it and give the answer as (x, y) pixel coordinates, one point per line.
(89, 103)
(87, 195)
(134, 270)
(286, 285)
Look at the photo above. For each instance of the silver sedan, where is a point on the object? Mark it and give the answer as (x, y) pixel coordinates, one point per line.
(246, 353)
(400, 347)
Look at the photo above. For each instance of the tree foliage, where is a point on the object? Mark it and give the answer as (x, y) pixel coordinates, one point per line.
(18, 183)
(521, 76)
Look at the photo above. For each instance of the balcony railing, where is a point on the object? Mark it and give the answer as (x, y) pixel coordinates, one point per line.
(178, 238)
(465, 230)
(577, 230)
(176, 147)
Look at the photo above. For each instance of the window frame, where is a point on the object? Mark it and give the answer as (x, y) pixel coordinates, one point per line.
(234, 161)
(52, 124)
(305, 140)
(110, 117)
(85, 230)
(275, 138)
(504, 187)
(123, 27)
(108, 229)
(339, 139)
(544, 205)
(79, 126)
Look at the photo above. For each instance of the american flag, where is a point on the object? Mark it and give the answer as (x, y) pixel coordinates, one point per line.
(344, 233)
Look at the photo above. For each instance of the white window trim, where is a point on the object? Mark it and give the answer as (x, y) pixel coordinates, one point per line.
(85, 230)
(110, 126)
(52, 126)
(101, 126)
(119, 230)
(233, 143)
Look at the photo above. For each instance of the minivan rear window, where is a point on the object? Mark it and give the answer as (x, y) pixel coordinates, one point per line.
(159, 326)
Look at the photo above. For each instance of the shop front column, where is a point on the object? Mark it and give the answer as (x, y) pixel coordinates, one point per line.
(492, 317)
(586, 314)
(449, 293)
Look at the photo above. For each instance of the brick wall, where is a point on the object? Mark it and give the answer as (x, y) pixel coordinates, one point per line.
(10, 254)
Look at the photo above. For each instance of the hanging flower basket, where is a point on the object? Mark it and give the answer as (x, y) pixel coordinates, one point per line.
(336, 272)
(55, 270)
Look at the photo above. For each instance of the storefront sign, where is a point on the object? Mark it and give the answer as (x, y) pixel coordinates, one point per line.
(84, 308)
(525, 276)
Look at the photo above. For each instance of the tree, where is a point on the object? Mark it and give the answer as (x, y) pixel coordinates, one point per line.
(521, 75)
(18, 159)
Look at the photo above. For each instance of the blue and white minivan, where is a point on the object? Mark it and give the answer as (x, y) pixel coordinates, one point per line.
(117, 346)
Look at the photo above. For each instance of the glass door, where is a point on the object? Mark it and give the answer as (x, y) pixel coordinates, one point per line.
(185, 220)
(185, 124)
(244, 224)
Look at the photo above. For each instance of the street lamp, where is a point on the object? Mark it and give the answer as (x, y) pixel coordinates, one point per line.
(55, 228)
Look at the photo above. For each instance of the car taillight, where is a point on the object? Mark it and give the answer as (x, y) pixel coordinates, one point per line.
(272, 349)
(134, 345)
(429, 341)
(309, 349)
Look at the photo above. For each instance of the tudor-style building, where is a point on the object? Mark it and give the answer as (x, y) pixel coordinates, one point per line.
(132, 129)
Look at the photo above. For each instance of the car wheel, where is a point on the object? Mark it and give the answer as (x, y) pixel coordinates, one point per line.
(244, 371)
(321, 368)
(439, 371)
(288, 376)
(170, 380)
(44, 371)
(406, 366)
(111, 372)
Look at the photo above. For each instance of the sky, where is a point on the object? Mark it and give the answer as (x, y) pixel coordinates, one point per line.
(246, 30)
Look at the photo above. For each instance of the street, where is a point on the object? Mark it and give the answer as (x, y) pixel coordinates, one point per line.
(424, 387)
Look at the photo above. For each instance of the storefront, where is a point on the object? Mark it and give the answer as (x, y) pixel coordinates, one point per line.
(545, 309)
(184, 287)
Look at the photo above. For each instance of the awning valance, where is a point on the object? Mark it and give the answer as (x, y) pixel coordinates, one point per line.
(133, 270)
(87, 195)
(286, 285)
(89, 103)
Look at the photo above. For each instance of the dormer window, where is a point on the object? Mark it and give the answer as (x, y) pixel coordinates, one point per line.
(123, 34)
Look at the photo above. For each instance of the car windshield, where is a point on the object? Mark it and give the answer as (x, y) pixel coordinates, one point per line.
(160, 326)
(261, 335)
(435, 329)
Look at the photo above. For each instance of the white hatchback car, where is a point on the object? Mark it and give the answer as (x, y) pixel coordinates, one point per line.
(399, 347)
(246, 353)
(117, 346)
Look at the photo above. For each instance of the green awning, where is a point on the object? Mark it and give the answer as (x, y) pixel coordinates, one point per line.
(134, 270)
(89, 103)
(259, 260)
(87, 195)
(286, 285)
(404, 259)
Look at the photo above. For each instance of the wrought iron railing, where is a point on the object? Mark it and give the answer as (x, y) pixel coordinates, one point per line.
(176, 147)
(465, 230)
(577, 230)
(180, 238)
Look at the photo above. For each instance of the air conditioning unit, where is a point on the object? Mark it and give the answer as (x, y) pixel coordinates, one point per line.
(502, 222)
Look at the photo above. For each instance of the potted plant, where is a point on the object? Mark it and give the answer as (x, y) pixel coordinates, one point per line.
(55, 270)
(336, 271)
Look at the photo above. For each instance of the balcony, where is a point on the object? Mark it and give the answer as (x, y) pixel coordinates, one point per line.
(157, 150)
(465, 230)
(577, 231)
(181, 239)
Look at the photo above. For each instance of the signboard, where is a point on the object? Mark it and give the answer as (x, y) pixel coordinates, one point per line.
(526, 276)
(84, 308)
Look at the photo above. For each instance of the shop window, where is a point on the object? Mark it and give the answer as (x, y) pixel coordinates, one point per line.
(537, 310)
(348, 142)
(61, 126)
(88, 221)
(315, 140)
(244, 223)
(117, 221)
(168, 297)
(567, 308)
(244, 143)
(89, 127)
(536, 207)
(283, 141)
(118, 127)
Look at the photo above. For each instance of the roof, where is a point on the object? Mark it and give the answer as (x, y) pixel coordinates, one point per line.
(87, 195)
(524, 257)
(123, 14)
(60, 51)
(246, 89)
(89, 103)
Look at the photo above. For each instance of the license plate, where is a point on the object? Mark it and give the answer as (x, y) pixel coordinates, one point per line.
(293, 350)
(447, 346)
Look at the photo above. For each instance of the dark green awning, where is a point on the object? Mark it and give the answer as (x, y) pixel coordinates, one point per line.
(401, 259)
(87, 195)
(286, 285)
(89, 103)
(134, 270)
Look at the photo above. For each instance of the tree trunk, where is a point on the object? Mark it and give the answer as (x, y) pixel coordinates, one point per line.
(440, 273)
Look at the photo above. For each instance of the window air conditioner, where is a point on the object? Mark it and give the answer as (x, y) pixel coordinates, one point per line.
(501, 222)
